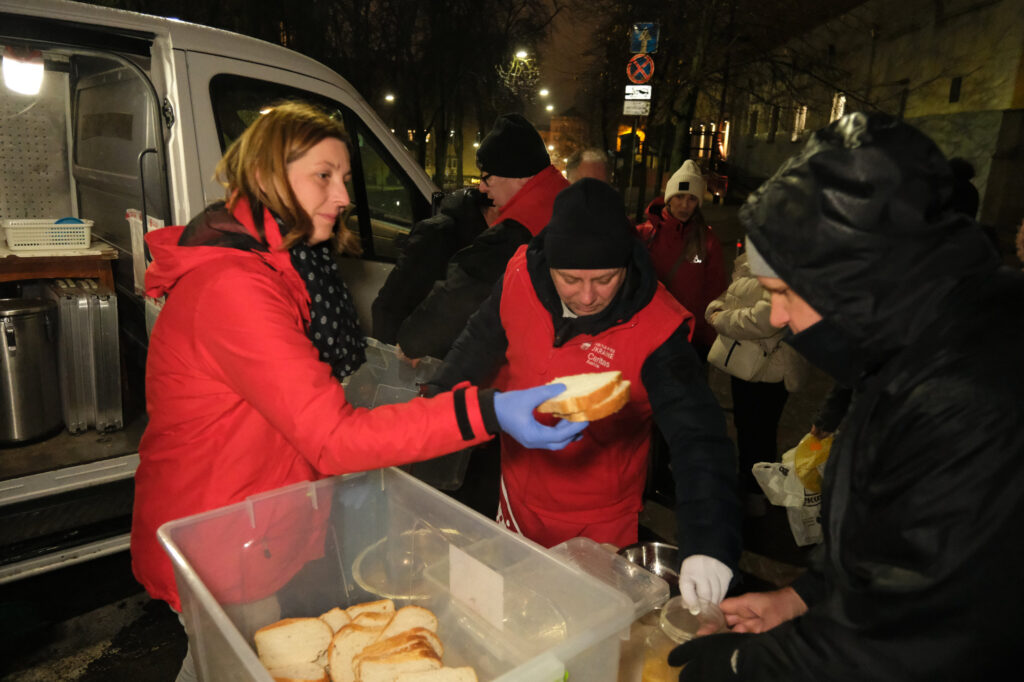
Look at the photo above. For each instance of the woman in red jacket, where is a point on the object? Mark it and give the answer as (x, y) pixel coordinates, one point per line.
(686, 254)
(244, 363)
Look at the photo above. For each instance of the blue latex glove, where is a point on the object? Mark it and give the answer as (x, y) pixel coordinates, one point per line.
(514, 410)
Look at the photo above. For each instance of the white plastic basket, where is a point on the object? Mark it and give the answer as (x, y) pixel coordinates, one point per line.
(40, 235)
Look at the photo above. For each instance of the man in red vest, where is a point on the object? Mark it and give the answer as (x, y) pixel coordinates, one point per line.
(582, 296)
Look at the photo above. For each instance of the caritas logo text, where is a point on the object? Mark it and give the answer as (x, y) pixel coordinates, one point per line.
(599, 356)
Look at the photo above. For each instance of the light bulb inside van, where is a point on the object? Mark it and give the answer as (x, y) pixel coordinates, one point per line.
(23, 71)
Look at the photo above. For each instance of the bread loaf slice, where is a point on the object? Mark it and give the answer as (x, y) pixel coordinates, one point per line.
(292, 640)
(346, 644)
(299, 672)
(379, 606)
(337, 618)
(373, 619)
(461, 674)
(607, 407)
(410, 639)
(582, 391)
(388, 667)
(409, 617)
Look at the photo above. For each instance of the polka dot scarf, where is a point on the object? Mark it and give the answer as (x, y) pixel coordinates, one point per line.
(333, 324)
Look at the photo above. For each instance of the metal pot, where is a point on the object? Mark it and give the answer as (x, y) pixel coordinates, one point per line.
(657, 557)
(30, 404)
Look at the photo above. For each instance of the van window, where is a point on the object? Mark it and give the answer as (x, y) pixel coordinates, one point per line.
(385, 201)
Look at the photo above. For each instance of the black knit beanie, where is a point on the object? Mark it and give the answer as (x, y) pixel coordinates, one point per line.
(588, 228)
(513, 149)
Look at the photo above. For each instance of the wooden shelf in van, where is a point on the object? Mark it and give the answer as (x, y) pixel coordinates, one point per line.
(45, 266)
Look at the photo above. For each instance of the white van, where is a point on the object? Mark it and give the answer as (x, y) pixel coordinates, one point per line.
(133, 115)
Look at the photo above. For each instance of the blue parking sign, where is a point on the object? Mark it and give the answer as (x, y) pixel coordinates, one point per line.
(644, 38)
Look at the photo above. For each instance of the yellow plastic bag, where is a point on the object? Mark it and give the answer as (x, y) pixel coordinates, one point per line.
(809, 456)
(795, 483)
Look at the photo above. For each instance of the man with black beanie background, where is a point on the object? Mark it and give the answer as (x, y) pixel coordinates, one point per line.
(581, 297)
(517, 176)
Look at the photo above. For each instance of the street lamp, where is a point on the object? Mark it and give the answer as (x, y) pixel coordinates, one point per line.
(522, 54)
(544, 92)
(389, 97)
(550, 107)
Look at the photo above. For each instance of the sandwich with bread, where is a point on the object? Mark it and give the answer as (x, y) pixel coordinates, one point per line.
(588, 397)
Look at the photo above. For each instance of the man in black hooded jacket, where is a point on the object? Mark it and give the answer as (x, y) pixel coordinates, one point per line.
(902, 298)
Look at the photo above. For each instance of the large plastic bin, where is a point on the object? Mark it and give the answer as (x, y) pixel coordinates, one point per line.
(506, 606)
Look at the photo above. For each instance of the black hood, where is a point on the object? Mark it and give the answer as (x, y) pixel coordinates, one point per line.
(861, 226)
(636, 292)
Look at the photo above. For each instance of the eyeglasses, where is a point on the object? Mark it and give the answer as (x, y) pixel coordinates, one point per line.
(485, 178)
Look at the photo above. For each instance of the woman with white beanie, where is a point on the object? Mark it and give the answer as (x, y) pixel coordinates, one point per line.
(686, 254)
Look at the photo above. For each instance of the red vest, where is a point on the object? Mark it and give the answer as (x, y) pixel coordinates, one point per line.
(602, 476)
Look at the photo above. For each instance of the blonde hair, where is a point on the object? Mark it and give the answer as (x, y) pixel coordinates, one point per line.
(255, 166)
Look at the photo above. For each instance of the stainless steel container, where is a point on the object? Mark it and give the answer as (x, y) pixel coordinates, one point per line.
(29, 393)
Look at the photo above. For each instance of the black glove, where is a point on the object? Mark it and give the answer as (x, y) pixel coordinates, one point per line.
(713, 658)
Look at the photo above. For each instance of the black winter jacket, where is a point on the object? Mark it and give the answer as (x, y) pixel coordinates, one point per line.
(435, 324)
(923, 498)
(423, 260)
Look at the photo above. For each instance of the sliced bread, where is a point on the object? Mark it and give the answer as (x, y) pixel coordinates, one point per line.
(379, 606)
(299, 672)
(292, 640)
(373, 619)
(461, 674)
(405, 640)
(346, 644)
(607, 407)
(389, 666)
(336, 618)
(582, 391)
(409, 617)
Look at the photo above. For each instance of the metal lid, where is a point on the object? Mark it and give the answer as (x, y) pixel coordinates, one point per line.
(12, 307)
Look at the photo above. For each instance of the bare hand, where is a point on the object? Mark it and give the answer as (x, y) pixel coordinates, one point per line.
(761, 611)
(819, 433)
(412, 362)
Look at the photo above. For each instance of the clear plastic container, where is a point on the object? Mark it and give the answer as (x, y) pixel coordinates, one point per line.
(509, 608)
(677, 624)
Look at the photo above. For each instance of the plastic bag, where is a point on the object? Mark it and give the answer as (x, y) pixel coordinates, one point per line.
(795, 483)
(386, 379)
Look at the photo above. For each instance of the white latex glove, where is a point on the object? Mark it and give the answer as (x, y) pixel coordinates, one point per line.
(703, 577)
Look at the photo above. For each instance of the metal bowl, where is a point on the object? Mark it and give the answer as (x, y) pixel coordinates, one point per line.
(657, 557)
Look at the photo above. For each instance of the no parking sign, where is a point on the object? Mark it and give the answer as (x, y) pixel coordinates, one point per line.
(640, 68)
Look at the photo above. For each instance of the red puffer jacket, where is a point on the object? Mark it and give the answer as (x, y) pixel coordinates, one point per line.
(239, 402)
(694, 283)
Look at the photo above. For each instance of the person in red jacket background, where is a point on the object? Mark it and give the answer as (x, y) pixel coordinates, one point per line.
(245, 360)
(686, 254)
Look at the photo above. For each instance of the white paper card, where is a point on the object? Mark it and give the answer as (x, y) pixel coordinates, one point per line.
(139, 264)
(476, 585)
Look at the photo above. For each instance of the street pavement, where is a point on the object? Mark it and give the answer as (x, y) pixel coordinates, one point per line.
(93, 622)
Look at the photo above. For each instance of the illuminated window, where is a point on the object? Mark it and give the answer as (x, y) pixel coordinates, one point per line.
(799, 123)
(838, 106)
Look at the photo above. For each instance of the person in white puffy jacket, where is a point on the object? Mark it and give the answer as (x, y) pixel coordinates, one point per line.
(742, 312)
